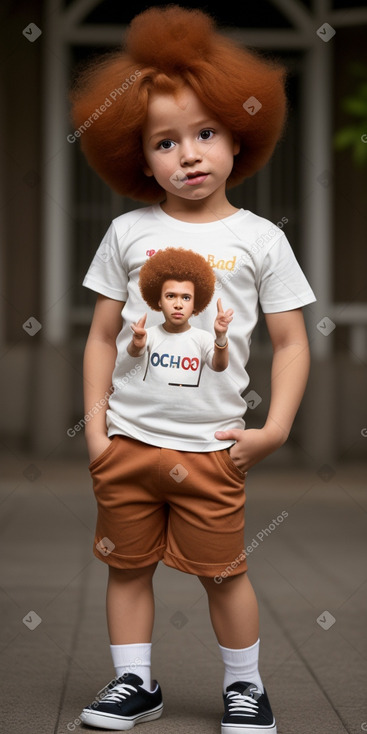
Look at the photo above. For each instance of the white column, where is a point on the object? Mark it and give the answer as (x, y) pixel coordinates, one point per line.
(317, 185)
(320, 411)
(51, 393)
(56, 160)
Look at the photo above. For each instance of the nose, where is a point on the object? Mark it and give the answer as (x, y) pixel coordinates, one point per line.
(178, 304)
(190, 152)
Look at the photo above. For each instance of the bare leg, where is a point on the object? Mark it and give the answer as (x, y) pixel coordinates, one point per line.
(130, 605)
(233, 610)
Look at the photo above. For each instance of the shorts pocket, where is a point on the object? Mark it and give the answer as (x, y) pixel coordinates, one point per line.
(101, 457)
(229, 463)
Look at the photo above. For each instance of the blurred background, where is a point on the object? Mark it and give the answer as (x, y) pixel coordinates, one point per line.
(55, 210)
(310, 573)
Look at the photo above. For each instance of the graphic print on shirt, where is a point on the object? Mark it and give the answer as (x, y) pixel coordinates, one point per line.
(178, 370)
(176, 360)
(214, 262)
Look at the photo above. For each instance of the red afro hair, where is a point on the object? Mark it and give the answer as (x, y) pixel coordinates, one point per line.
(175, 263)
(166, 49)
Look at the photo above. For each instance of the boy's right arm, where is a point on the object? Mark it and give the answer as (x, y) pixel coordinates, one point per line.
(137, 345)
(99, 361)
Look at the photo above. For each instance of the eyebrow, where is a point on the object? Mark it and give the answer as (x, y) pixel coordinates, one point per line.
(171, 132)
(175, 293)
(162, 134)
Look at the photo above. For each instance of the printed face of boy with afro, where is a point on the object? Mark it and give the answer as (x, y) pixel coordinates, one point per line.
(188, 151)
(179, 283)
(177, 304)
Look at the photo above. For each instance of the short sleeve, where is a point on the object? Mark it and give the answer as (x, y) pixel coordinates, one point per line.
(106, 274)
(282, 283)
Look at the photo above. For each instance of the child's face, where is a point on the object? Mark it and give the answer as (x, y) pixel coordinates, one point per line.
(177, 304)
(187, 150)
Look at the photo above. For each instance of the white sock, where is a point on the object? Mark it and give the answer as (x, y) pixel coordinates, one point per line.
(133, 659)
(241, 665)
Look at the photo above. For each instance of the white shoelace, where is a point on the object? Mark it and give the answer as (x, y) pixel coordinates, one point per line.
(242, 704)
(118, 693)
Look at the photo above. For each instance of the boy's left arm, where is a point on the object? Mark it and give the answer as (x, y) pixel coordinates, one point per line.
(289, 374)
(223, 319)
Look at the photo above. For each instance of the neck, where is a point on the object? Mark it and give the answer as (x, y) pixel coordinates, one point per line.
(203, 210)
(173, 329)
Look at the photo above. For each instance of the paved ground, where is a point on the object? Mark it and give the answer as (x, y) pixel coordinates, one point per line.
(309, 573)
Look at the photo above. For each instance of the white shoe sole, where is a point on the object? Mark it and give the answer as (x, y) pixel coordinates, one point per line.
(103, 720)
(241, 729)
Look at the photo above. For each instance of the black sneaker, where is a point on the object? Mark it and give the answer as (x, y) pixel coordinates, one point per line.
(122, 704)
(247, 710)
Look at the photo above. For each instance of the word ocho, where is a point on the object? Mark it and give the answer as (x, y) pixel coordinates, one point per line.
(170, 360)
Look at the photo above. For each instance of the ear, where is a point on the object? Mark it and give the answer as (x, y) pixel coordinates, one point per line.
(236, 146)
(148, 171)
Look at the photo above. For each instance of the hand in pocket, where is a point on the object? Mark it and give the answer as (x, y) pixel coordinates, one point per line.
(97, 445)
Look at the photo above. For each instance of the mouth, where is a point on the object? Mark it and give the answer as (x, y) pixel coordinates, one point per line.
(195, 177)
(177, 315)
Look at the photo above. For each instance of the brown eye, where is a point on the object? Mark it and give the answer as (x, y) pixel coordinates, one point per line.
(166, 144)
(206, 134)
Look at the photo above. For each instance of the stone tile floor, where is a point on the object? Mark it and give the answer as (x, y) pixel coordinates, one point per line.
(309, 572)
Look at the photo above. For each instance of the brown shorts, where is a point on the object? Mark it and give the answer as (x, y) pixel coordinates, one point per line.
(184, 508)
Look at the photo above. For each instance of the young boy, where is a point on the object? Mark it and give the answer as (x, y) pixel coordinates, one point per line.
(180, 283)
(180, 129)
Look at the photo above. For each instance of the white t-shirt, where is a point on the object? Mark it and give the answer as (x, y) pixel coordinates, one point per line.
(172, 370)
(253, 263)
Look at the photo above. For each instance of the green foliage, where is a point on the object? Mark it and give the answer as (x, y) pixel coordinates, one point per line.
(354, 135)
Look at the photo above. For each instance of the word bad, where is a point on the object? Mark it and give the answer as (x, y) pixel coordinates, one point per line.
(221, 264)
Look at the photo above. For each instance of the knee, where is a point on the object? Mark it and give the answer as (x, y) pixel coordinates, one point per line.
(221, 580)
(132, 574)
(210, 582)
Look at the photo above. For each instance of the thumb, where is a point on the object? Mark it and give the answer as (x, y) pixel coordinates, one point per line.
(234, 433)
